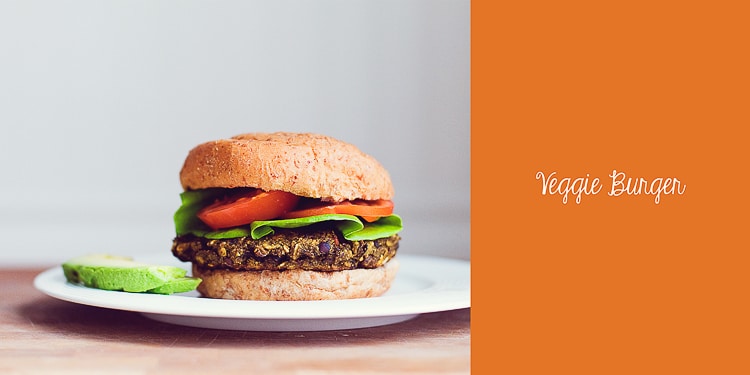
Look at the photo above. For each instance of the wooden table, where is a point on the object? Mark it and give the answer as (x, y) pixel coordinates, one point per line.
(40, 334)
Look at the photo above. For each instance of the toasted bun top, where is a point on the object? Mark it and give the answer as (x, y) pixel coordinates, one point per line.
(308, 165)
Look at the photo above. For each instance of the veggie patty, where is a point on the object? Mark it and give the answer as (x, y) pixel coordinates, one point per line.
(302, 248)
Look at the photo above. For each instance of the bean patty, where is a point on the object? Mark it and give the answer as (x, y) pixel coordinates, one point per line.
(315, 250)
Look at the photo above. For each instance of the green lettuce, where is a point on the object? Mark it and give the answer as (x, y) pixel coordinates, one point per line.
(351, 227)
(186, 220)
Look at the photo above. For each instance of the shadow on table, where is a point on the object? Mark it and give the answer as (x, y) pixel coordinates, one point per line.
(100, 323)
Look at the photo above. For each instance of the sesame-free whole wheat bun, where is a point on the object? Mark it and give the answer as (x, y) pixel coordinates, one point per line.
(296, 285)
(308, 165)
(286, 216)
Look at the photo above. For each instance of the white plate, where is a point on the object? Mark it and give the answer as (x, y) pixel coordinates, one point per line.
(424, 284)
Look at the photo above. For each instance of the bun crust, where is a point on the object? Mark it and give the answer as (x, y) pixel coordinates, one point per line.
(295, 285)
(305, 164)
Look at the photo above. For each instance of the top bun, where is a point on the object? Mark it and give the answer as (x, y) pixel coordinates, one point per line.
(308, 165)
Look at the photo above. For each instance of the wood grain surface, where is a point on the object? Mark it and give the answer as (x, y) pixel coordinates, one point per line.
(40, 334)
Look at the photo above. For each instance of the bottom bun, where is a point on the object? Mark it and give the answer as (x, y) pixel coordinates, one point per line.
(295, 285)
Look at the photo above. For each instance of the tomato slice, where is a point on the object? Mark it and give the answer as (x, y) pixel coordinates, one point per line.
(368, 210)
(248, 207)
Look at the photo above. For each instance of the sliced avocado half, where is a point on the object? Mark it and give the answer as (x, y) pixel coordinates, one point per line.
(113, 272)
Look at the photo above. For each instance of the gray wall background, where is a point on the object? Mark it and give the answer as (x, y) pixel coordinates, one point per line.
(100, 101)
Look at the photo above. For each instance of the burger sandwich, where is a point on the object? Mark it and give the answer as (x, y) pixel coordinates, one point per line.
(286, 216)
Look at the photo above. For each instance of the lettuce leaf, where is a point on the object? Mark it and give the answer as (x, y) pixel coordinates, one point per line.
(185, 219)
(352, 227)
(384, 227)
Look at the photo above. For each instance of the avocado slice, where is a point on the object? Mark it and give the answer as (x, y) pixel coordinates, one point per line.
(180, 285)
(113, 272)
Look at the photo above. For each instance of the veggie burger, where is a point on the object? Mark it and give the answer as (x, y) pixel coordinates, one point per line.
(286, 216)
